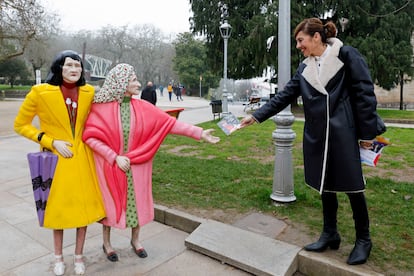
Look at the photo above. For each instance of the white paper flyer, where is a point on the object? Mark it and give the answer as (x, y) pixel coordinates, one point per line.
(229, 124)
(371, 156)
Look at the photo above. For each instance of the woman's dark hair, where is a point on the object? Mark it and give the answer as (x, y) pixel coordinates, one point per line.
(55, 73)
(314, 25)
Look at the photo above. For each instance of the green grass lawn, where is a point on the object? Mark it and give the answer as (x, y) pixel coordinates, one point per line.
(237, 175)
(396, 114)
(16, 87)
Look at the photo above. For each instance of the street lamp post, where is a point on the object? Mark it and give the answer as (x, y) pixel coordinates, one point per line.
(201, 78)
(283, 135)
(225, 31)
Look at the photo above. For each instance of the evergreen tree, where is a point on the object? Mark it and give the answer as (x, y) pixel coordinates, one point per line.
(381, 30)
(252, 23)
(190, 64)
(12, 69)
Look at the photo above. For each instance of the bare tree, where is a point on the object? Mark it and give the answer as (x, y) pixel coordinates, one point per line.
(165, 65)
(143, 46)
(115, 42)
(146, 50)
(37, 53)
(22, 21)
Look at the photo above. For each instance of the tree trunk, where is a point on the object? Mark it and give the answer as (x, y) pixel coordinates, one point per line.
(401, 90)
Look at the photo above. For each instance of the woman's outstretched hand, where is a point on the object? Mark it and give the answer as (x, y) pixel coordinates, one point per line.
(206, 136)
(247, 121)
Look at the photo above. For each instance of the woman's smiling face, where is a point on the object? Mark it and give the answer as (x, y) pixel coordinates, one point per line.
(308, 44)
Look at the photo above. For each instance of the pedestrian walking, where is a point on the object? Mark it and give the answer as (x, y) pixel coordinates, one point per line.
(180, 92)
(170, 91)
(161, 88)
(149, 94)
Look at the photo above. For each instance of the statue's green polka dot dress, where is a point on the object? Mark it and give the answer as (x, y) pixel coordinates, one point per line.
(131, 210)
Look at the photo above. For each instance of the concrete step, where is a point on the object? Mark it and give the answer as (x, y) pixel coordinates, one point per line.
(243, 249)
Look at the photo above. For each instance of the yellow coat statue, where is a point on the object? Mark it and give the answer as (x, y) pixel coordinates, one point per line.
(75, 199)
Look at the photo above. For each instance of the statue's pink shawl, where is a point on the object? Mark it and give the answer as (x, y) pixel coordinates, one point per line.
(103, 132)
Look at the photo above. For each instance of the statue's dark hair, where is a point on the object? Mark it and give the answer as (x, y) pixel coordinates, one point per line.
(55, 73)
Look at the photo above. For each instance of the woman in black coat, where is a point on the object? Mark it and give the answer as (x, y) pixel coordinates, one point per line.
(340, 110)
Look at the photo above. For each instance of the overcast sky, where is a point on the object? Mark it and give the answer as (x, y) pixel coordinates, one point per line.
(171, 16)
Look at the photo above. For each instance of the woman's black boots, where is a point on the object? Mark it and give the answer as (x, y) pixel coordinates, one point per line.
(331, 240)
(329, 237)
(363, 244)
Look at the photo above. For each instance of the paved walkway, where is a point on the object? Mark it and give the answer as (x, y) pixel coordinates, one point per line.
(26, 248)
